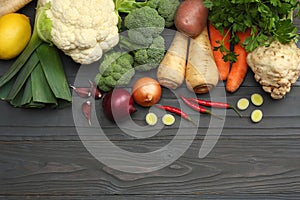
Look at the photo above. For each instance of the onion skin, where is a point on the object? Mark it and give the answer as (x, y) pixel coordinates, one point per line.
(118, 105)
(146, 91)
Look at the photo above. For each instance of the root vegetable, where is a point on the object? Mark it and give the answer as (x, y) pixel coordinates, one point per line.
(10, 6)
(171, 70)
(239, 68)
(276, 67)
(191, 17)
(146, 91)
(217, 39)
(118, 105)
(201, 72)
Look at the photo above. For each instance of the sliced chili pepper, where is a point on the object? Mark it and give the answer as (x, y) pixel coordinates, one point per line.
(214, 104)
(198, 108)
(176, 111)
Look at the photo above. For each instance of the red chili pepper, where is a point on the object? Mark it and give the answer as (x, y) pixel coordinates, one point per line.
(198, 108)
(176, 111)
(214, 104)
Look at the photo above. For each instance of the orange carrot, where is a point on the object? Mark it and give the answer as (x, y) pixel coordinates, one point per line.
(216, 37)
(239, 68)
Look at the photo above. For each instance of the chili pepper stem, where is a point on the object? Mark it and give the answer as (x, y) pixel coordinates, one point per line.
(214, 115)
(190, 120)
(236, 111)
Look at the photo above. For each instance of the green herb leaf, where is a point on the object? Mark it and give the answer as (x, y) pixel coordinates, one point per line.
(268, 20)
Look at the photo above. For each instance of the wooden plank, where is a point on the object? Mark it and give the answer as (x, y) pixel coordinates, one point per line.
(256, 166)
(70, 134)
(161, 197)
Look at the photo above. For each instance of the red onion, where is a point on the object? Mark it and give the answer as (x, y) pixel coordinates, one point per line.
(118, 104)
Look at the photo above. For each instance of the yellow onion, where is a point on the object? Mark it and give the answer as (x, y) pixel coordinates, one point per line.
(146, 91)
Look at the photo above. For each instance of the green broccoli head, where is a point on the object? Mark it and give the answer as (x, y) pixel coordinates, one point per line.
(166, 9)
(149, 58)
(144, 24)
(116, 69)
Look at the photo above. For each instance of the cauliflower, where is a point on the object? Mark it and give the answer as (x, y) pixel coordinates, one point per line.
(276, 67)
(82, 29)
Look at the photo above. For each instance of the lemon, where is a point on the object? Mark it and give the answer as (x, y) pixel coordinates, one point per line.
(15, 33)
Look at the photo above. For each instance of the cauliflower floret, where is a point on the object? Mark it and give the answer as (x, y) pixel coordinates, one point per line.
(276, 67)
(83, 29)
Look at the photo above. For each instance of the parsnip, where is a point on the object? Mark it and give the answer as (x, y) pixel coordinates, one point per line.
(9, 6)
(171, 71)
(201, 71)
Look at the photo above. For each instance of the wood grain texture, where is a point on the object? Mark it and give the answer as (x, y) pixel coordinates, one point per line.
(42, 156)
(264, 166)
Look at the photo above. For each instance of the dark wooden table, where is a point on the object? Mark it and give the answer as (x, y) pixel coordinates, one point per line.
(42, 154)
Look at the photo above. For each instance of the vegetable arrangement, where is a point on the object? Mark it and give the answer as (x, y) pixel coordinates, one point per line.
(216, 40)
(255, 25)
(142, 47)
(37, 77)
(257, 100)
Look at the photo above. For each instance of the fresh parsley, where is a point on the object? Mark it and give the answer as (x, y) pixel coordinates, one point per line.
(268, 20)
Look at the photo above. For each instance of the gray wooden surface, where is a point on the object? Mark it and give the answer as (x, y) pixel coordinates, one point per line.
(42, 156)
